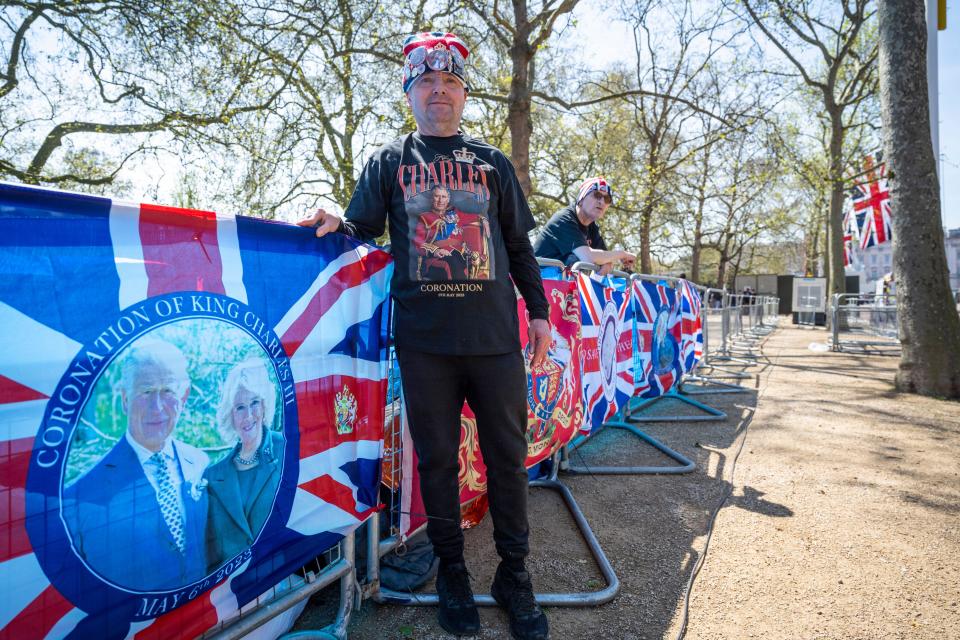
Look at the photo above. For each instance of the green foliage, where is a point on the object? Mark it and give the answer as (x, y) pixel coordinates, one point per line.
(271, 109)
(211, 348)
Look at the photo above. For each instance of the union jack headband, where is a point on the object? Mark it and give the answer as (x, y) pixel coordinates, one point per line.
(599, 183)
(434, 51)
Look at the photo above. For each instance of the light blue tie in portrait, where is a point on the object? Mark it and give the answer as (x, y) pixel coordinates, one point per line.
(169, 502)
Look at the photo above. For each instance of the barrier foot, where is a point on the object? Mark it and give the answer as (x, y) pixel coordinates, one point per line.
(724, 387)
(349, 598)
(686, 465)
(726, 372)
(746, 349)
(739, 361)
(711, 414)
(572, 599)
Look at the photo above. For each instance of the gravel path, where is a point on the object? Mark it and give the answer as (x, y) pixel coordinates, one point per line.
(860, 537)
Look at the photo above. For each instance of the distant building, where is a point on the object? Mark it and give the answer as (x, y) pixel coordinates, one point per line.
(872, 264)
(952, 242)
(875, 262)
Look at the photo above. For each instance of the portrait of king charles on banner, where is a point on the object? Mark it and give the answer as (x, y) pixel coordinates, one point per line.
(450, 241)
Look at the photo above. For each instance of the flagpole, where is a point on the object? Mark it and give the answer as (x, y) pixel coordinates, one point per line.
(933, 21)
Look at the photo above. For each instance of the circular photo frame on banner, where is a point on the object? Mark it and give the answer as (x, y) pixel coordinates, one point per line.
(664, 346)
(162, 455)
(609, 337)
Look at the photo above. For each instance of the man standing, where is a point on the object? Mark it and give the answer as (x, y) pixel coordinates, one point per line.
(573, 235)
(458, 338)
(137, 518)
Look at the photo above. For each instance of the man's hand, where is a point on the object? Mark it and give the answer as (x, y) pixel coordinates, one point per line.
(324, 221)
(627, 259)
(539, 334)
(605, 269)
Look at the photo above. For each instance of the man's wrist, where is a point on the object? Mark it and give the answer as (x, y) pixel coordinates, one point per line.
(539, 314)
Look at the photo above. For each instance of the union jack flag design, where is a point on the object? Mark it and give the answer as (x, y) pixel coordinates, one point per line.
(607, 348)
(851, 237)
(691, 326)
(870, 200)
(86, 277)
(658, 336)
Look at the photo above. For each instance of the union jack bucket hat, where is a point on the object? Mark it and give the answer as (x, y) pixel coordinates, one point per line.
(597, 183)
(433, 51)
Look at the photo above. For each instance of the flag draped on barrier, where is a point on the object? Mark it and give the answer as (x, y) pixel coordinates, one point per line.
(123, 325)
(554, 400)
(607, 317)
(659, 338)
(691, 326)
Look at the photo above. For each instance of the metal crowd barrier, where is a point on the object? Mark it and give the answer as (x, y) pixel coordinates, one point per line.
(377, 548)
(619, 421)
(336, 564)
(725, 326)
(746, 320)
(870, 316)
(715, 339)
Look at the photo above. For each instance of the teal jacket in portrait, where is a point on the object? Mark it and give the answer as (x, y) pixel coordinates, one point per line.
(229, 530)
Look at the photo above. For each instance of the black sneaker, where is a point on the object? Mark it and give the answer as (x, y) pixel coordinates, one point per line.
(514, 592)
(458, 612)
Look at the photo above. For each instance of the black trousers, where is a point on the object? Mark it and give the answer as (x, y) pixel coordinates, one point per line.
(434, 388)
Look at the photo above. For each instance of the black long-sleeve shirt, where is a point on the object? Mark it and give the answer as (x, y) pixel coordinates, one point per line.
(458, 224)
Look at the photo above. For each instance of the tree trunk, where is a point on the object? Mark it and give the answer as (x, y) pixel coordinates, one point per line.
(928, 322)
(723, 269)
(836, 281)
(519, 103)
(697, 250)
(813, 248)
(646, 217)
(698, 219)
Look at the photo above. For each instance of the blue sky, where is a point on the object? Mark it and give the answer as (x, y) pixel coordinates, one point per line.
(948, 45)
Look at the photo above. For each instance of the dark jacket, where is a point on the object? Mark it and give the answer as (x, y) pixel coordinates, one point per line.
(564, 233)
(117, 527)
(229, 531)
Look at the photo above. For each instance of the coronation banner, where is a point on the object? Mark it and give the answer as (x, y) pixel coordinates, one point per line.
(659, 339)
(191, 407)
(608, 374)
(691, 326)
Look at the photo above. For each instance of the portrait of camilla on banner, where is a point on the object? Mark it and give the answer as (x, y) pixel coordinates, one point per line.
(192, 406)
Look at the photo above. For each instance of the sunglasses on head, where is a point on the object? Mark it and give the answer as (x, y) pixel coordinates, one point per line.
(604, 190)
(439, 59)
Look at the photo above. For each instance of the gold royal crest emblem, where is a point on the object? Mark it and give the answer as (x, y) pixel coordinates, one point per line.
(345, 407)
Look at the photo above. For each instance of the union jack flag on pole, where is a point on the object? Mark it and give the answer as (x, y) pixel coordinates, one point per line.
(124, 325)
(870, 200)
